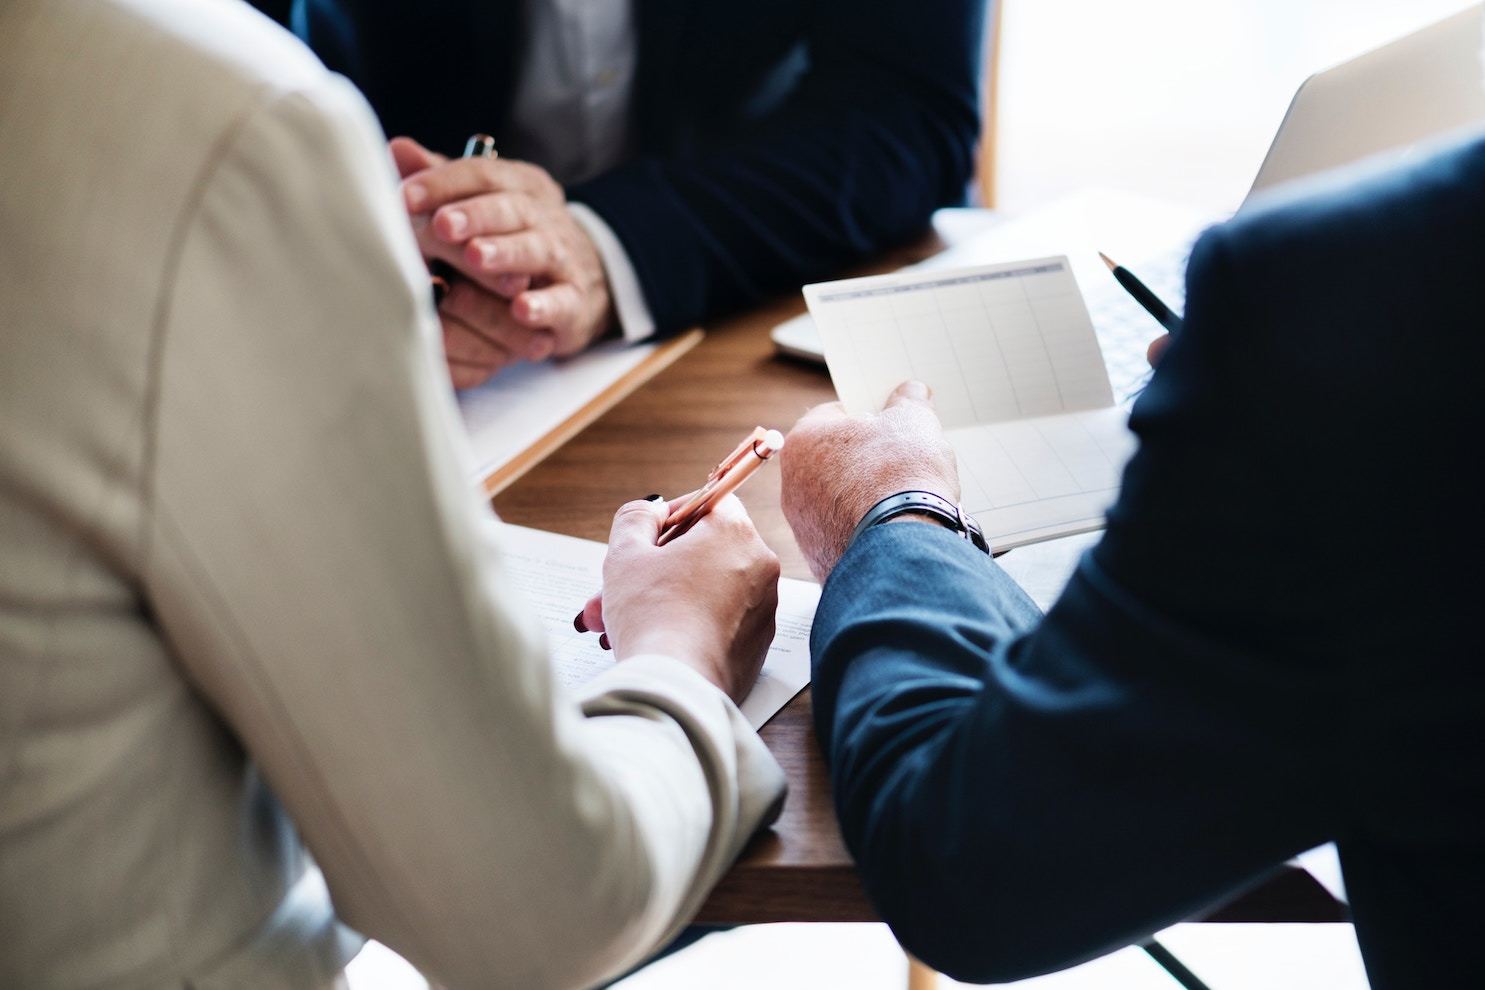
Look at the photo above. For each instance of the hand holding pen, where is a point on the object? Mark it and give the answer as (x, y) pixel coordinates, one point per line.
(707, 601)
(690, 512)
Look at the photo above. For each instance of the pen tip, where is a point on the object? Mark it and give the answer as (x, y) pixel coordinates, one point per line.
(1108, 261)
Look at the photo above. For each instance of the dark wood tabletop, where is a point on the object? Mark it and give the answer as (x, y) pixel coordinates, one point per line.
(664, 439)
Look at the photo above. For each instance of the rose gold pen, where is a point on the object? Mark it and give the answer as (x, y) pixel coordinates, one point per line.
(740, 465)
(737, 467)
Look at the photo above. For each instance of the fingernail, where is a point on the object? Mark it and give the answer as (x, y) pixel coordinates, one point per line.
(458, 222)
(603, 642)
(917, 390)
(652, 498)
(488, 255)
(578, 623)
(534, 309)
(415, 195)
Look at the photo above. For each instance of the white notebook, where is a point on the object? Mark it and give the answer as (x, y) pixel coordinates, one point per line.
(558, 574)
(525, 401)
(1017, 375)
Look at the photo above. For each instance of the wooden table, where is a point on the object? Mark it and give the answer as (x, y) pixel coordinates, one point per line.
(664, 438)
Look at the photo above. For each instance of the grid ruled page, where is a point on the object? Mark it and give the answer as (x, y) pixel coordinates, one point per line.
(995, 343)
(1017, 377)
(1036, 479)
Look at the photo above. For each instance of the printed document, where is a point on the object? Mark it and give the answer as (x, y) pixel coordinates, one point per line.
(558, 574)
(1017, 376)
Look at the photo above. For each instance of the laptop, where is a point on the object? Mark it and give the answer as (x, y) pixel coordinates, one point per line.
(1390, 104)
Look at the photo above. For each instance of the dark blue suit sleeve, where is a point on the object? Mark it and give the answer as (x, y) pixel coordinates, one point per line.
(1024, 793)
(879, 131)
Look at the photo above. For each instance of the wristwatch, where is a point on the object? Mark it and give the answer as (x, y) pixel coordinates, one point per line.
(940, 510)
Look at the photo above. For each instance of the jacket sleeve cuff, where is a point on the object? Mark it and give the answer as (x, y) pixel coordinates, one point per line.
(725, 743)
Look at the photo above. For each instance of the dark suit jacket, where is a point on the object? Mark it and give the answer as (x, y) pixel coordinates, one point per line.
(778, 140)
(1277, 642)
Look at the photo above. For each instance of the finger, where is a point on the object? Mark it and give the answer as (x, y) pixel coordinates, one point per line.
(462, 178)
(557, 307)
(491, 213)
(910, 392)
(1157, 348)
(511, 286)
(435, 248)
(468, 375)
(729, 510)
(410, 157)
(637, 524)
(490, 316)
(590, 619)
(530, 252)
(466, 345)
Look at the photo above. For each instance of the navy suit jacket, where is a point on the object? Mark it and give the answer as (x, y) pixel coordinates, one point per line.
(778, 140)
(1276, 643)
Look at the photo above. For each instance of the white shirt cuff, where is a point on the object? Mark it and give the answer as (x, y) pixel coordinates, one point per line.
(635, 319)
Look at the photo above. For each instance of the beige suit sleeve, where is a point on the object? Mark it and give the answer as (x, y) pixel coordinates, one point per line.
(332, 584)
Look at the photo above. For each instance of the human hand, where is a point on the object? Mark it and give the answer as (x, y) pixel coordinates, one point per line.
(505, 225)
(707, 599)
(480, 334)
(1156, 349)
(836, 467)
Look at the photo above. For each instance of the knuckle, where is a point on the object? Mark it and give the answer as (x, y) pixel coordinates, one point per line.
(486, 172)
(772, 567)
(631, 510)
(511, 215)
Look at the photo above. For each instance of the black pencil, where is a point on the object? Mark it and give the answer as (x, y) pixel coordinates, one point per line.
(1142, 295)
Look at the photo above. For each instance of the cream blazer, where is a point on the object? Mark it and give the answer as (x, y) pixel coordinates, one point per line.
(249, 604)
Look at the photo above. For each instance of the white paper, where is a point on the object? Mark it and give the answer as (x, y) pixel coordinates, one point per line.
(558, 574)
(995, 342)
(1018, 380)
(1044, 569)
(526, 401)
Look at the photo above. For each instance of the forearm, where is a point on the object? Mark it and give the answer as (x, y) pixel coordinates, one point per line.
(1023, 795)
(902, 644)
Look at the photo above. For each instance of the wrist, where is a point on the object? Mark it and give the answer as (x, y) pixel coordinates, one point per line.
(927, 506)
(684, 647)
(918, 517)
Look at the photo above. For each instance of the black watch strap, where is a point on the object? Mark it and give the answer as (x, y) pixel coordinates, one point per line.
(941, 510)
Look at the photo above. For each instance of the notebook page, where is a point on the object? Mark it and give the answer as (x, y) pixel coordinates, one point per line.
(995, 343)
(1018, 379)
(1035, 479)
(558, 574)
